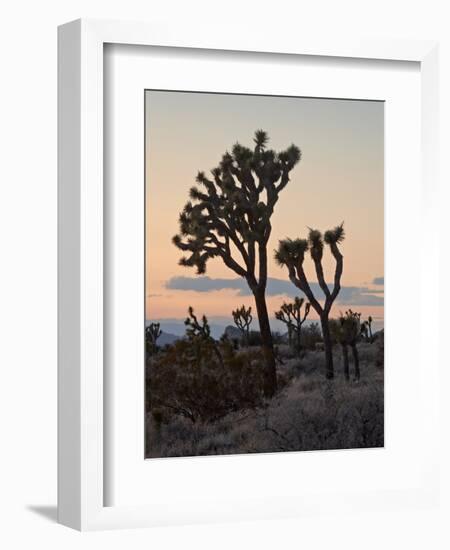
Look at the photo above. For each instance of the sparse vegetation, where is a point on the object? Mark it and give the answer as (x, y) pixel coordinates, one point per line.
(309, 413)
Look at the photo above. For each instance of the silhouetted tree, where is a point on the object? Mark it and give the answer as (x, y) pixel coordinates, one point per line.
(346, 330)
(152, 333)
(291, 253)
(195, 329)
(242, 319)
(291, 315)
(229, 218)
(369, 328)
(364, 331)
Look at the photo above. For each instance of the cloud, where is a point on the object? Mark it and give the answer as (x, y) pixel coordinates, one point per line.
(206, 284)
(349, 295)
(378, 281)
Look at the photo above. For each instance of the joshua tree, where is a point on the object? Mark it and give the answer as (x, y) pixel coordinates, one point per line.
(346, 331)
(369, 327)
(366, 330)
(203, 331)
(152, 333)
(291, 253)
(242, 319)
(291, 316)
(228, 217)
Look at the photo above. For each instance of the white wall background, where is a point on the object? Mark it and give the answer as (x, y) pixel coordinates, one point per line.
(28, 269)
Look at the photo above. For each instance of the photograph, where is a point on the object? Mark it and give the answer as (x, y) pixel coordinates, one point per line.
(264, 274)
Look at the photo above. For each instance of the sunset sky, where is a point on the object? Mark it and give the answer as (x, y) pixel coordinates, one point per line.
(340, 178)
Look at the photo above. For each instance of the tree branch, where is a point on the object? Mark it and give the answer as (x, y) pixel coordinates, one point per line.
(338, 272)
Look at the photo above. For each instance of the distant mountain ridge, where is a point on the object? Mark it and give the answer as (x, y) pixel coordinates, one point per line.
(166, 338)
(177, 328)
(174, 329)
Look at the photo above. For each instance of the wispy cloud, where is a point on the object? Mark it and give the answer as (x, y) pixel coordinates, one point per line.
(349, 295)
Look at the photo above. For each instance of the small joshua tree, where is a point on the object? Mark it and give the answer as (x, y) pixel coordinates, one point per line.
(228, 217)
(291, 253)
(291, 316)
(195, 329)
(352, 326)
(346, 330)
(369, 328)
(366, 330)
(152, 333)
(242, 319)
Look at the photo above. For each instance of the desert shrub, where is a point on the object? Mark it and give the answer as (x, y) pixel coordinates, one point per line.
(277, 338)
(286, 351)
(379, 341)
(201, 379)
(367, 352)
(316, 415)
(310, 413)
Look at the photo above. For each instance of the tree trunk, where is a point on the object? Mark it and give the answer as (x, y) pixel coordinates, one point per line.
(329, 369)
(345, 358)
(356, 361)
(270, 382)
(299, 342)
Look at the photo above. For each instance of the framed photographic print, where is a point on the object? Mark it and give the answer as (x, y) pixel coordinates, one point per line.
(233, 300)
(296, 362)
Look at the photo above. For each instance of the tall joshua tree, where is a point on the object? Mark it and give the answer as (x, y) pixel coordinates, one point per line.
(291, 253)
(291, 315)
(228, 217)
(242, 319)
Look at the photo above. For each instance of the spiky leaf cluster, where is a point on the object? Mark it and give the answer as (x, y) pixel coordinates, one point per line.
(232, 208)
(335, 235)
(291, 251)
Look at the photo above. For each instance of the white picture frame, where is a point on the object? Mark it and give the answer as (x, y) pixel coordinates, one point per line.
(81, 407)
